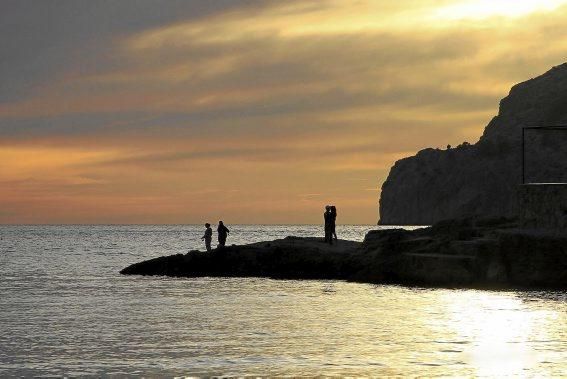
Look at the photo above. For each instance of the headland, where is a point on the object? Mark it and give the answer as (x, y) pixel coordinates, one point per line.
(471, 253)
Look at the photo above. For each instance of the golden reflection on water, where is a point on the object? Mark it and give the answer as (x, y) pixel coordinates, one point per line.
(95, 322)
(504, 331)
(348, 329)
(355, 329)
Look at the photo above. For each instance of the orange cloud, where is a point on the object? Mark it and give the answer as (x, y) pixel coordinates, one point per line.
(263, 115)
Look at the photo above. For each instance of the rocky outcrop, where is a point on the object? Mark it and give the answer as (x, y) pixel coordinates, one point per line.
(472, 253)
(289, 258)
(465, 253)
(482, 179)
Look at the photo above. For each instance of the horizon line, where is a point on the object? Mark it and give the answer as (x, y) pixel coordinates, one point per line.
(177, 224)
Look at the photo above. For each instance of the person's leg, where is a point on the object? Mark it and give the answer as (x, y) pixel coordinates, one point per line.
(208, 245)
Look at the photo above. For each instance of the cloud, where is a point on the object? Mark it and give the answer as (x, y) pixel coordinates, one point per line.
(271, 100)
(40, 40)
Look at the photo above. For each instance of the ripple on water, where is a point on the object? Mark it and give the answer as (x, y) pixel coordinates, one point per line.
(64, 310)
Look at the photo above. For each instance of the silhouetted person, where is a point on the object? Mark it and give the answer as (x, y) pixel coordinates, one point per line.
(327, 216)
(208, 237)
(223, 233)
(333, 222)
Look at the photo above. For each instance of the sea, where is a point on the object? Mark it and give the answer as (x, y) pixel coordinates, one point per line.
(65, 311)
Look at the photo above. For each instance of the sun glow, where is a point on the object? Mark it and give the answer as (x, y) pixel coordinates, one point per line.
(503, 329)
(482, 9)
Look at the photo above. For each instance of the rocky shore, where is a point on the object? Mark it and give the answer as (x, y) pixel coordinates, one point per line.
(459, 253)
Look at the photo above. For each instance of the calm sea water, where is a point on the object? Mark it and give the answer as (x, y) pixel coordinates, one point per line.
(65, 311)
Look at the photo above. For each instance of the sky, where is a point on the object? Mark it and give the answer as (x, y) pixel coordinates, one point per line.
(139, 111)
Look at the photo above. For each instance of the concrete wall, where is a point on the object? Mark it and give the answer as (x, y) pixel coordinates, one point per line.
(543, 206)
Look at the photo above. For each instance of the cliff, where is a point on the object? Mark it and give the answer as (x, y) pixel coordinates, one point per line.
(481, 180)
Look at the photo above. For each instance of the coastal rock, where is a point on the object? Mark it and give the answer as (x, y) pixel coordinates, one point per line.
(481, 180)
(460, 253)
(289, 258)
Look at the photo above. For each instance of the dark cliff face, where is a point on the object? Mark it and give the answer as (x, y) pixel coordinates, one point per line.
(482, 179)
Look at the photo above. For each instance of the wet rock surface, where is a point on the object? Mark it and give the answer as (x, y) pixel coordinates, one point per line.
(465, 253)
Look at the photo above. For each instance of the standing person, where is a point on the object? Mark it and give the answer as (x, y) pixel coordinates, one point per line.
(327, 216)
(208, 237)
(223, 233)
(333, 222)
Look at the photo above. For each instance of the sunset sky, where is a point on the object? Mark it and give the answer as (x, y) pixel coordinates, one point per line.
(143, 111)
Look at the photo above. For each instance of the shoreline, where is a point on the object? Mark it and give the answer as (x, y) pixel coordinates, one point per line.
(469, 253)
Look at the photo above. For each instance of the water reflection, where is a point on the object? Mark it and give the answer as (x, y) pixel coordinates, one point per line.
(505, 332)
(65, 311)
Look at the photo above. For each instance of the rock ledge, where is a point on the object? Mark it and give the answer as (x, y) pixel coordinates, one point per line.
(458, 253)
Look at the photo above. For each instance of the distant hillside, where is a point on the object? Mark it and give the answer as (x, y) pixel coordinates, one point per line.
(481, 179)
